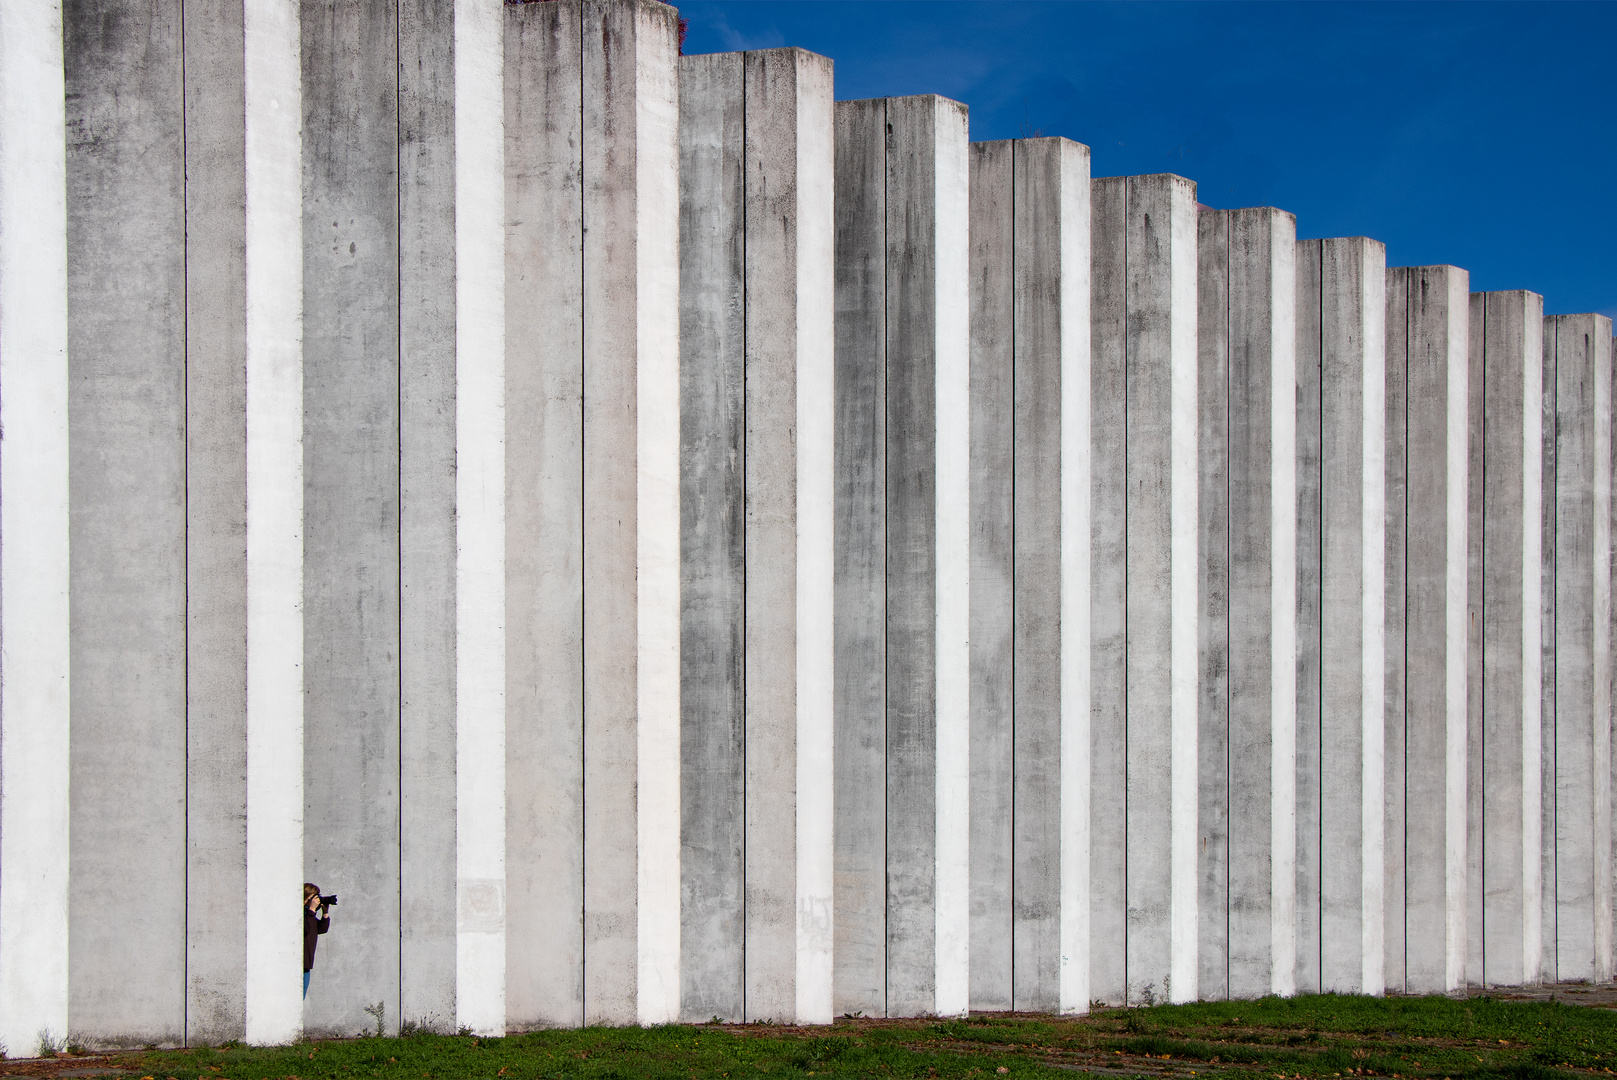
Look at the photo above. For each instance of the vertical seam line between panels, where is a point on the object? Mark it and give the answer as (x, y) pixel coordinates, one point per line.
(1124, 305)
(1319, 711)
(1555, 648)
(1409, 289)
(746, 547)
(1482, 665)
(185, 305)
(398, 431)
(1229, 576)
(884, 131)
(583, 527)
(1016, 147)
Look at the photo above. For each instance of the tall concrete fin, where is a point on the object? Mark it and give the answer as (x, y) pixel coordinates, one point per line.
(1577, 357)
(478, 459)
(1030, 222)
(1428, 332)
(1144, 839)
(1247, 407)
(1341, 423)
(902, 558)
(34, 569)
(127, 407)
(591, 513)
(1505, 539)
(756, 391)
(273, 254)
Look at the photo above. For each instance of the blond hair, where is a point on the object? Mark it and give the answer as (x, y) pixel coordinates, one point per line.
(310, 891)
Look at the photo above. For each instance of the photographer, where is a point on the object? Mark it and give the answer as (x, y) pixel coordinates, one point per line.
(316, 921)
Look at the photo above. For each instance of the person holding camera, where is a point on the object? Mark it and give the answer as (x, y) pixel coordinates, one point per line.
(316, 921)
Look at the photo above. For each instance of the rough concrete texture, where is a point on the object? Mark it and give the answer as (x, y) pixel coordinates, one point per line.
(592, 505)
(753, 331)
(1341, 419)
(1503, 746)
(1247, 394)
(1029, 241)
(544, 524)
(1144, 616)
(126, 349)
(902, 552)
(34, 567)
(216, 524)
(1427, 341)
(427, 464)
(1577, 353)
(351, 501)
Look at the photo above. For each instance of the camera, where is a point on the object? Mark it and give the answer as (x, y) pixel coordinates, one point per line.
(328, 901)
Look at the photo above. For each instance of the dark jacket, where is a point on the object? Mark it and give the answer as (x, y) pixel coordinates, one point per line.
(313, 927)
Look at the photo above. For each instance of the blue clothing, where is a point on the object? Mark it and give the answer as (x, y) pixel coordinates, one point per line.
(306, 984)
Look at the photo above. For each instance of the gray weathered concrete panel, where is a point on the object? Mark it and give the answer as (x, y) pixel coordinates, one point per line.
(860, 925)
(1506, 381)
(427, 316)
(1341, 536)
(713, 553)
(351, 501)
(544, 527)
(993, 569)
(1143, 808)
(1427, 333)
(127, 413)
(1577, 349)
(1247, 345)
(216, 524)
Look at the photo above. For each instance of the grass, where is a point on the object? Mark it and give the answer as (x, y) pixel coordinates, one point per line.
(1326, 1036)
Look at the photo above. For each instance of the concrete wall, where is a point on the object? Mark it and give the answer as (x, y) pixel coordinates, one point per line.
(1504, 738)
(880, 625)
(1341, 526)
(1143, 835)
(1030, 222)
(756, 397)
(34, 567)
(902, 554)
(1577, 356)
(1247, 599)
(591, 513)
(1427, 406)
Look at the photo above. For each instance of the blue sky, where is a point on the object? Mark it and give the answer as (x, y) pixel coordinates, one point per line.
(1483, 135)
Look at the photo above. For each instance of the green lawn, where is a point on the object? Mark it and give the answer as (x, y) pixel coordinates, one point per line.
(1427, 1038)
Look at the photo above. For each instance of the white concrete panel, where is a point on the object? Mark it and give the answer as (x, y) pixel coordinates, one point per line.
(1282, 236)
(480, 517)
(816, 504)
(953, 539)
(1182, 967)
(1458, 284)
(1075, 566)
(274, 247)
(34, 522)
(1532, 740)
(1373, 717)
(656, 105)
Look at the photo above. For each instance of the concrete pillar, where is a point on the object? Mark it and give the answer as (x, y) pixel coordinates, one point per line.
(34, 620)
(1247, 738)
(429, 202)
(273, 227)
(1503, 744)
(756, 395)
(127, 416)
(1341, 433)
(1143, 833)
(592, 513)
(1577, 354)
(1030, 294)
(459, 479)
(352, 839)
(1427, 341)
(902, 558)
